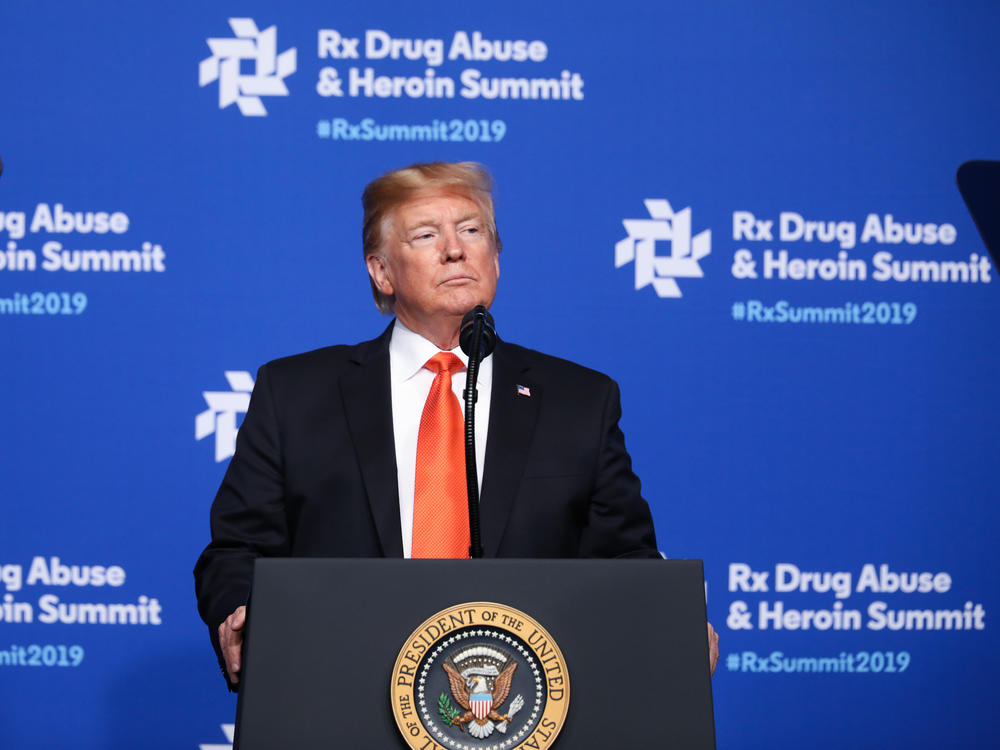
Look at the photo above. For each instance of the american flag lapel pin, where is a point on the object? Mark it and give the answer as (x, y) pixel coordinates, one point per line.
(523, 390)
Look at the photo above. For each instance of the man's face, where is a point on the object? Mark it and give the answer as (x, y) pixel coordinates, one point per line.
(438, 260)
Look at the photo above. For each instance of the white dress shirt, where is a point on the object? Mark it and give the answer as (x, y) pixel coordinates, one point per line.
(411, 382)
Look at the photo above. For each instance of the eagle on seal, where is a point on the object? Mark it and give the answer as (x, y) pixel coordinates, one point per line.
(478, 700)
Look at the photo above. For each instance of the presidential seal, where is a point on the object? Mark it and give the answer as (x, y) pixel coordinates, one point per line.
(480, 676)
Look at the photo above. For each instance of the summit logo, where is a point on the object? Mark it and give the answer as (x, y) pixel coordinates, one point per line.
(221, 416)
(247, 67)
(664, 225)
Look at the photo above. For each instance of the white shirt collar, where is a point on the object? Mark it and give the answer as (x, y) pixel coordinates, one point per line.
(410, 351)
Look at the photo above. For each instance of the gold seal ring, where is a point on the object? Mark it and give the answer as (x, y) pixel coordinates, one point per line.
(479, 675)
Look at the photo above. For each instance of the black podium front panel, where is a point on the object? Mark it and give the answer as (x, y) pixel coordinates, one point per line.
(323, 635)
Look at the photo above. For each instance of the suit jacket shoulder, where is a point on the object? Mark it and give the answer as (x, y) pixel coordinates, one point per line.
(328, 361)
(555, 365)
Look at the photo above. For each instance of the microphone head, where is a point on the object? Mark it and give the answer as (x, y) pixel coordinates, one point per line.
(488, 337)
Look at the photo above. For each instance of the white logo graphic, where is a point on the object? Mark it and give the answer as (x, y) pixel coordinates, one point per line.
(270, 69)
(685, 250)
(220, 416)
(227, 729)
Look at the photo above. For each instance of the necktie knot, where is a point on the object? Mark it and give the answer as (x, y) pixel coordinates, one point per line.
(444, 362)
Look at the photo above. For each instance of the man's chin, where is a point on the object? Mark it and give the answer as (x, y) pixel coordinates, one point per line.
(464, 300)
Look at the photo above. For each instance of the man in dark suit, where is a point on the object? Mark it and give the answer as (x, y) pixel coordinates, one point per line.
(340, 454)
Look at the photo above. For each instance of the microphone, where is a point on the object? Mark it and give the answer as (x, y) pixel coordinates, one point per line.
(1, 166)
(466, 334)
(478, 338)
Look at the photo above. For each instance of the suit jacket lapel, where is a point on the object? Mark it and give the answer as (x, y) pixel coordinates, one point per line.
(366, 393)
(512, 424)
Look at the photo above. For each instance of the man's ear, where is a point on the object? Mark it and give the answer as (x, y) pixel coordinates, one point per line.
(379, 272)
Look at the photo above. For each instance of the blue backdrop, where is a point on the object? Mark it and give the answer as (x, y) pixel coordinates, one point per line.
(746, 213)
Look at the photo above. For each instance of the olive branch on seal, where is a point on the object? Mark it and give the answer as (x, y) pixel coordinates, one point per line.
(447, 709)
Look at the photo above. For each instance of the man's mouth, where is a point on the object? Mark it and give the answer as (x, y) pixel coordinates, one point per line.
(457, 279)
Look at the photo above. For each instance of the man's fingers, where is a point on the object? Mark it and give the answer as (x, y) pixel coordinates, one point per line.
(238, 618)
(231, 653)
(713, 648)
(233, 671)
(231, 642)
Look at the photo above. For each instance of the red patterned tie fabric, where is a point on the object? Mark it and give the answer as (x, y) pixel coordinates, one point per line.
(440, 499)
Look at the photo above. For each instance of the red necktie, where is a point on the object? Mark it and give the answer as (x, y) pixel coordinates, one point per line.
(440, 499)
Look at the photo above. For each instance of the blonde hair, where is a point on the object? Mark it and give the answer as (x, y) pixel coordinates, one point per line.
(383, 195)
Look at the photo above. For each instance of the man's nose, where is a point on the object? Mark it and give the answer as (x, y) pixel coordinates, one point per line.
(453, 248)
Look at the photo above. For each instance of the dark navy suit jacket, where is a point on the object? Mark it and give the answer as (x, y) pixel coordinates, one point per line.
(314, 473)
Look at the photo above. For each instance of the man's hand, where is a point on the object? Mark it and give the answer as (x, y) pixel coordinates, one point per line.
(713, 648)
(231, 641)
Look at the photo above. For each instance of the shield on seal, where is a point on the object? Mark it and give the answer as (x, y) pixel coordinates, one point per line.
(481, 703)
